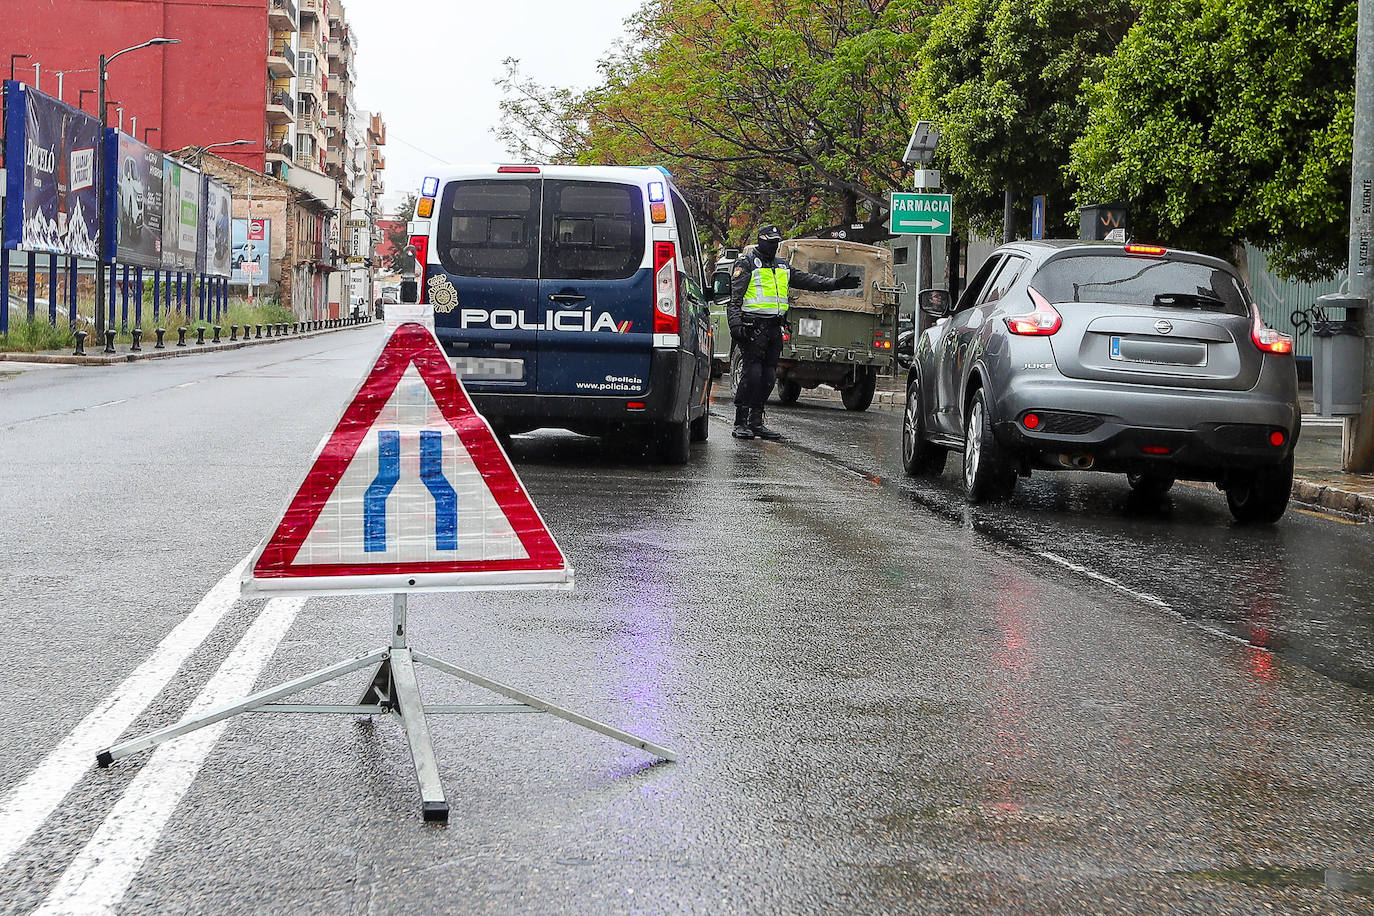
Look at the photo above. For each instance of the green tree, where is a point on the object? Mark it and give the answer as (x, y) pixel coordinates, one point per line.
(1001, 79)
(1224, 121)
(399, 239)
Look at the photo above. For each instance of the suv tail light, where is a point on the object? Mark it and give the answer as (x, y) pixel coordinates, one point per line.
(667, 291)
(1266, 338)
(1043, 321)
(421, 245)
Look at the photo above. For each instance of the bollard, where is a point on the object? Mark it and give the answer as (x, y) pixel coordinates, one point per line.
(200, 336)
(137, 334)
(160, 345)
(109, 340)
(181, 336)
(295, 327)
(258, 336)
(247, 331)
(233, 333)
(217, 330)
(80, 344)
(283, 328)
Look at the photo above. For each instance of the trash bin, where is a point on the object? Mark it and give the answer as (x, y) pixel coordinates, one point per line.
(1338, 358)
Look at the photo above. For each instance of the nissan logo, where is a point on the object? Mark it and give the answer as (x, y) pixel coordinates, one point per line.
(1164, 326)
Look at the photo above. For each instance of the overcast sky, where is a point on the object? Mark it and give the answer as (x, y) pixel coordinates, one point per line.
(429, 67)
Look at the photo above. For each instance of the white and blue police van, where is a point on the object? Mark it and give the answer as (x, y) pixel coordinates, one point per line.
(571, 297)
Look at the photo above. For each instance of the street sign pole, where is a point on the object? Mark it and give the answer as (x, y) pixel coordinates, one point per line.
(1358, 455)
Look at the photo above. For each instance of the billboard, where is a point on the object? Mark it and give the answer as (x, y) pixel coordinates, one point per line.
(180, 215)
(51, 188)
(218, 246)
(133, 204)
(252, 243)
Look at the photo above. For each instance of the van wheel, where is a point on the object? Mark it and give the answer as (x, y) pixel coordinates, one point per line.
(788, 391)
(918, 456)
(859, 395)
(674, 442)
(1261, 497)
(987, 474)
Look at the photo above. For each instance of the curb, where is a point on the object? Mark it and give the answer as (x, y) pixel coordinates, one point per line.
(66, 359)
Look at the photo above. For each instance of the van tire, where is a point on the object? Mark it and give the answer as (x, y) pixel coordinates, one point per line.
(701, 427)
(674, 441)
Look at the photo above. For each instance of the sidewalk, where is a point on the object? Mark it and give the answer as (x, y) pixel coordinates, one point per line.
(1318, 482)
(123, 354)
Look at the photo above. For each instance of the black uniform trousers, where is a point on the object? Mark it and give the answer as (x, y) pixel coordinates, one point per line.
(760, 349)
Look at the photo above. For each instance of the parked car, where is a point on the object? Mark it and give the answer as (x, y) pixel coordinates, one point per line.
(1132, 359)
(572, 297)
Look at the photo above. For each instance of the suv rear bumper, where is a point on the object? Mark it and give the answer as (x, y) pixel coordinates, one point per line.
(666, 398)
(1231, 429)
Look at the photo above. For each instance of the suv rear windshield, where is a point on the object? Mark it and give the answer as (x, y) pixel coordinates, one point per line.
(595, 230)
(1120, 280)
(490, 229)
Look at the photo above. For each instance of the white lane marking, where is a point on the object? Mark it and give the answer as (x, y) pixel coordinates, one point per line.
(1094, 574)
(107, 404)
(99, 876)
(182, 385)
(27, 805)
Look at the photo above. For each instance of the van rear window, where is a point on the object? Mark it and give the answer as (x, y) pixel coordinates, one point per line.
(595, 230)
(1119, 280)
(490, 229)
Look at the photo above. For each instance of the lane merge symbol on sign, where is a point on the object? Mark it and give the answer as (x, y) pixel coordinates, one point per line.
(922, 214)
(411, 492)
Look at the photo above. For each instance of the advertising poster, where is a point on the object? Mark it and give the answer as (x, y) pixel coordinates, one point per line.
(252, 241)
(52, 205)
(180, 215)
(134, 205)
(218, 241)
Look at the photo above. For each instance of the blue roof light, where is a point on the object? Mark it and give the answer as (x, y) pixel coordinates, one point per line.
(656, 192)
(429, 187)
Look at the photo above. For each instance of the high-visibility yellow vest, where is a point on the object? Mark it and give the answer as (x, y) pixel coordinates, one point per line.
(767, 292)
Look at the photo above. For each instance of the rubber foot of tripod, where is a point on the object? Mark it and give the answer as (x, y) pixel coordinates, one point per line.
(104, 759)
(436, 812)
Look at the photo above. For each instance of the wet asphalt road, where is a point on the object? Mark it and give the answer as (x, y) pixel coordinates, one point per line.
(884, 701)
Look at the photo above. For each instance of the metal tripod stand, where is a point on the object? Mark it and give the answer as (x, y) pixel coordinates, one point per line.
(394, 689)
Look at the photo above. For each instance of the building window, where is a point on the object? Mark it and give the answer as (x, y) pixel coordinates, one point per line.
(899, 255)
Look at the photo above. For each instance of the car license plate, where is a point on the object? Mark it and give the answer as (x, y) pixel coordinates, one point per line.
(809, 327)
(1116, 348)
(488, 369)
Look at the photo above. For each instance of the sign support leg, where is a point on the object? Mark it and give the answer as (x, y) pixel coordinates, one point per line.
(406, 703)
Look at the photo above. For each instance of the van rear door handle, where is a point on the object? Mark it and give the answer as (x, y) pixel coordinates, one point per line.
(566, 297)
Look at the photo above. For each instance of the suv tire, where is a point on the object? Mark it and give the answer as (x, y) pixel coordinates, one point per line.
(987, 475)
(1151, 485)
(859, 395)
(919, 457)
(1261, 497)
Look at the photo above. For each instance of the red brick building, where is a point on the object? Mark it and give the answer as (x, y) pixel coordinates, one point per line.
(213, 86)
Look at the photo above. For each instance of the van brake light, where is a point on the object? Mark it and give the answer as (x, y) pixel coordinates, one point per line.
(421, 245)
(666, 289)
(519, 169)
(1041, 322)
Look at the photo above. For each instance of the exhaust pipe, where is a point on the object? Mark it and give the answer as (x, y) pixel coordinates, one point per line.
(1081, 461)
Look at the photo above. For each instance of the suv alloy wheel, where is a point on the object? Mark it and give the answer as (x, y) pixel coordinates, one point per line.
(987, 475)
(918, 456)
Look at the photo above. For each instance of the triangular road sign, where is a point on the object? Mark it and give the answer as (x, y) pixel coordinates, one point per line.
(411, 492)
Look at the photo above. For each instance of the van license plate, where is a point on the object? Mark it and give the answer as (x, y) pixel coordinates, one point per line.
(486, 369)
(809, 327)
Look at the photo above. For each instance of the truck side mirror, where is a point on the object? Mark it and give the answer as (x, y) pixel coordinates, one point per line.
(934, 302)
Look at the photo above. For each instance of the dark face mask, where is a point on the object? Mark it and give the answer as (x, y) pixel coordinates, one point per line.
(768, 249)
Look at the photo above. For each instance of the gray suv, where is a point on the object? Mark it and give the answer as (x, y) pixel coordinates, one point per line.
(1133, 359)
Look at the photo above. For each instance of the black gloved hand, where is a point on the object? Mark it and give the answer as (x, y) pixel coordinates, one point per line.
(737, 331)
(849, 282)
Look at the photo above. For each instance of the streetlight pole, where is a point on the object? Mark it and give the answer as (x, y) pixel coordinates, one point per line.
(201, 151)
(100, 183)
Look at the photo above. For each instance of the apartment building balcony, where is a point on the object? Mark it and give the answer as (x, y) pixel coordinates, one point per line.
(378, 160)
(281, 60)
(279, 148)
(310, 8)
(281, 107)
(334, 118)
(376, 130)
(281, 14)
(308, 159)
(308, 87)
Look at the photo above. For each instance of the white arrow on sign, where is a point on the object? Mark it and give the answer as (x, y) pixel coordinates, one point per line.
(926, 223)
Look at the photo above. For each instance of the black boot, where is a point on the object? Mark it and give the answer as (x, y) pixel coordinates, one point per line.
(742, 430)
(757, 427)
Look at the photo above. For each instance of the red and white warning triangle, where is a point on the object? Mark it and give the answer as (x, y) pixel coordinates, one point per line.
(410, 492)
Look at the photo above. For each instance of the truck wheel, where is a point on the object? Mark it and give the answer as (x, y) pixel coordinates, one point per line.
(859, 395)
(788, 392)
(674, 442)
(1261, 497)
(987, 476)
(918, 456)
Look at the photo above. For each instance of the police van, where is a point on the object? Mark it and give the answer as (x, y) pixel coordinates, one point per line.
(570, 297)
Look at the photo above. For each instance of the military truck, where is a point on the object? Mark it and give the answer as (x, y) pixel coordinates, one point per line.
(842, 338)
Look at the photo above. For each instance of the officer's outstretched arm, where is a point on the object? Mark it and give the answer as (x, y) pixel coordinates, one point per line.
(800, 279)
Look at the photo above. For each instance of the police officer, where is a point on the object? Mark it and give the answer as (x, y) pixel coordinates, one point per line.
(757, 313)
